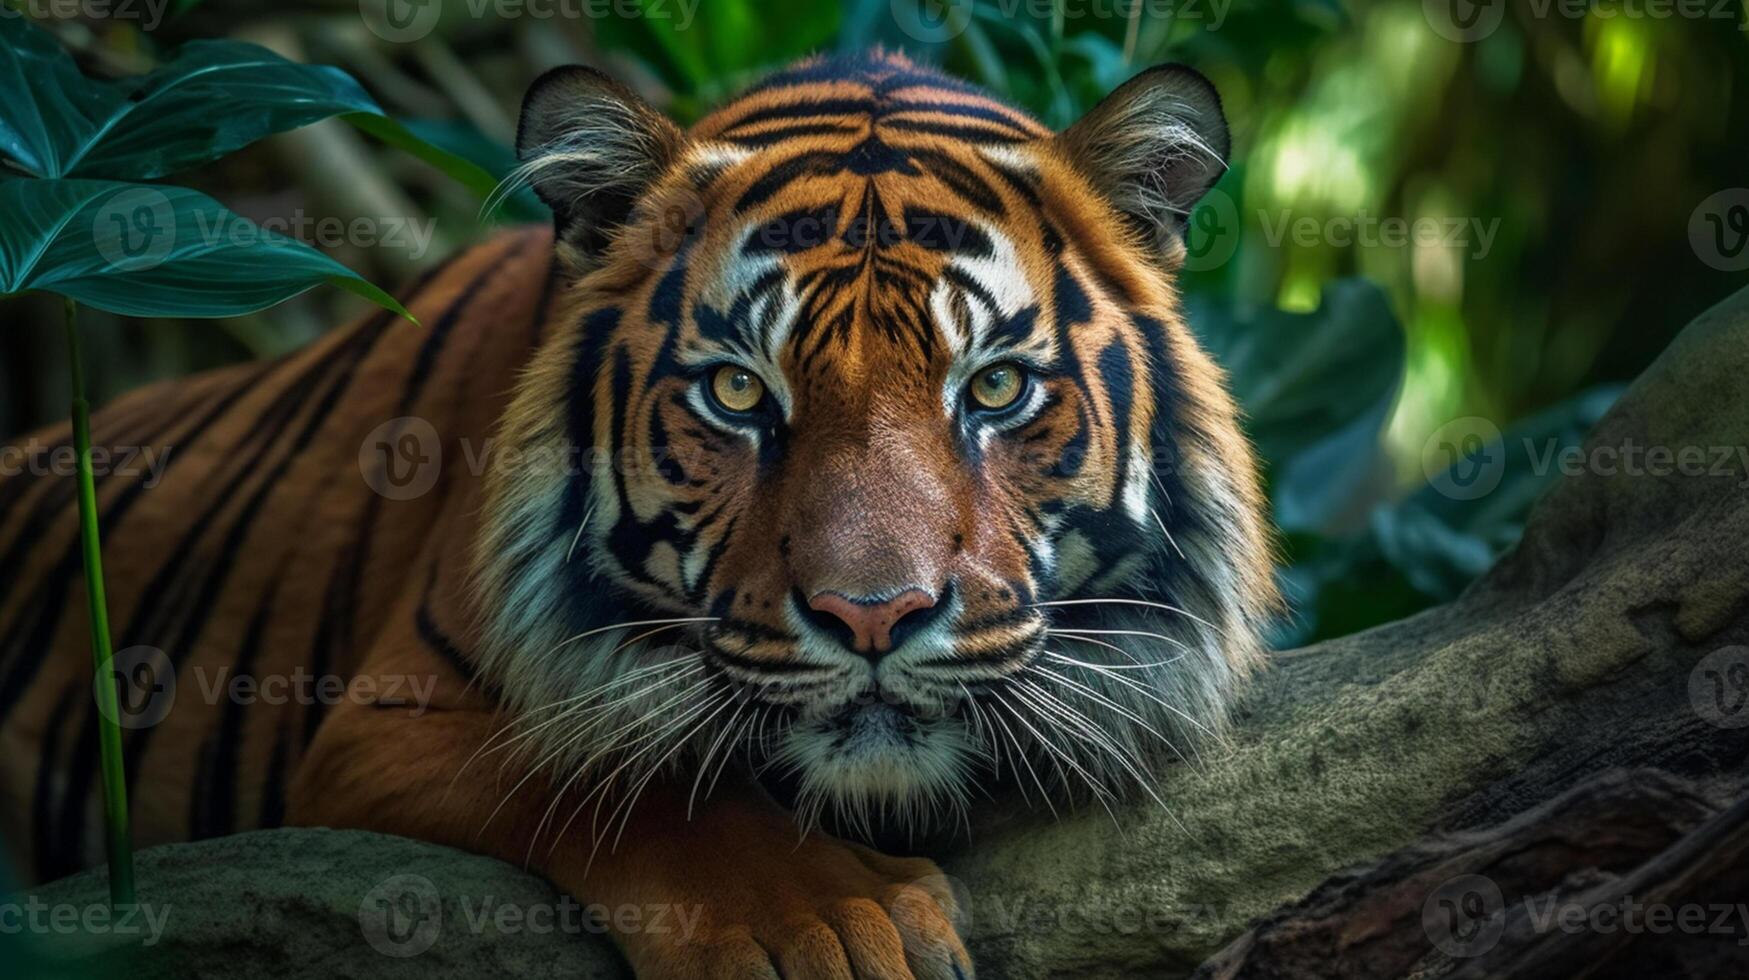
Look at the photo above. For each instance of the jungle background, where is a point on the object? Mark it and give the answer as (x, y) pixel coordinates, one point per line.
(1451, 231)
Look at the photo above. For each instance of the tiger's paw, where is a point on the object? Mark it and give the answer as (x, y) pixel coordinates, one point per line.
(826, 911)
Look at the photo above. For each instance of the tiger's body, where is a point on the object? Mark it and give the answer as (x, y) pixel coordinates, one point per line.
(810, 478)
(261, 552)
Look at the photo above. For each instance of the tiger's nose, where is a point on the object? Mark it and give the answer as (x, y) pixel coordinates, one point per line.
(869, 625)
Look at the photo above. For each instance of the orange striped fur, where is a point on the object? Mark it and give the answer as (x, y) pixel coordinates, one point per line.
(633, 633)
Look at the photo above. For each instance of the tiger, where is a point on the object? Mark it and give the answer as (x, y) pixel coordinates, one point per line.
(839, 464)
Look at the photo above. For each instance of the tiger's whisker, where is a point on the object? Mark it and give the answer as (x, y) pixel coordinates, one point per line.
(1150, 695)
(1128, 602)
(572, 550)
(1103, 632)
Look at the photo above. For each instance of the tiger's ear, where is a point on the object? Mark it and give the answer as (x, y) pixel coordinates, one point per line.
(1153, 147)
(590, 148)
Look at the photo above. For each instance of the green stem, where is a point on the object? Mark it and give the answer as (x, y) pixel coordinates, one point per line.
(115, 788)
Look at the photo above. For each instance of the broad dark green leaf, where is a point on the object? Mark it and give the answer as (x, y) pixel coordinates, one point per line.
(465, 140)
(1428, 547)
(148, 250)
(1316, 389)
(212, 98)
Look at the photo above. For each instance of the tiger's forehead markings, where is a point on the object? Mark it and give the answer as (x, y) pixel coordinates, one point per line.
(836, 97)
(874, 203)
(802, 278)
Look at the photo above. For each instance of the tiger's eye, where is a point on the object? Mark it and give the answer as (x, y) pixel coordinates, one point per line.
(737, 389)
(998, 386)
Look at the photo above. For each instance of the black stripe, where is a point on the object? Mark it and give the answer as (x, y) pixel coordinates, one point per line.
(962, 180)
(780, 175)
(985, 113)
(214, 809)
(273, 782)
(216, 573)
(804, 108)
(440, 643)
(42, 821)
(970, 133)
(36, 642)
(160, 611)
(333, 640)
(780, 133)
(763, 666)
(543, 306)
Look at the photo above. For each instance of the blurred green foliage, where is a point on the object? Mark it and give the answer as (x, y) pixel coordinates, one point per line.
(1519, 201)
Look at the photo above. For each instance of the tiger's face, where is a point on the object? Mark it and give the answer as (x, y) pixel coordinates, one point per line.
(902, 468)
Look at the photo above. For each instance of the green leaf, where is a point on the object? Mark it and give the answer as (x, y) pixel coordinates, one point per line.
(464, 140)
(148, 250)
(695, 48)
(213, 98)
(1316, 388)
(1428, 547)
(453, 165)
